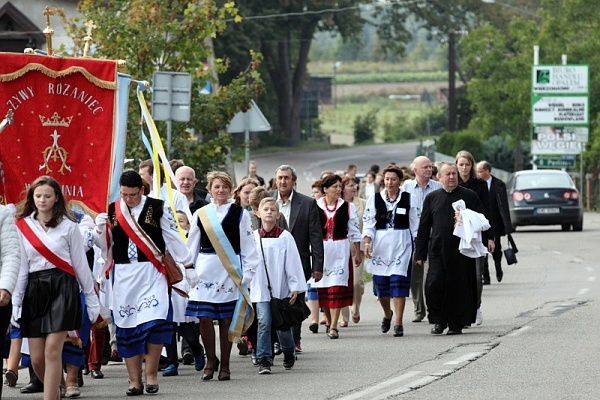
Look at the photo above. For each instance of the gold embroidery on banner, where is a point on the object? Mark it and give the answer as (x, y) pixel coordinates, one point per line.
(55, 152)
(58, 74)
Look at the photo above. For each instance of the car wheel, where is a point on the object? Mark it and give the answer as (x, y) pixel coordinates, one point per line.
(578, 227)
(565, 227)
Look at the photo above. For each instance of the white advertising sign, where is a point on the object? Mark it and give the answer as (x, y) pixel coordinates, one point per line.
(567, 110)
(560, 79)
(558, 140)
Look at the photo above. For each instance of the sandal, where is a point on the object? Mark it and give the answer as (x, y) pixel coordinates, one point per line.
(72, 391)
(314, 327)
(335, 335)
(11, 378)
(356, 319)
(344, 324)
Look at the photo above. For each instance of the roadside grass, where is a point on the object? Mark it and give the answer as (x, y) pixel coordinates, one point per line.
(341, 118)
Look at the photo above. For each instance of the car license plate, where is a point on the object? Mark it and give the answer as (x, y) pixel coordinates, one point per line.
(549, 210)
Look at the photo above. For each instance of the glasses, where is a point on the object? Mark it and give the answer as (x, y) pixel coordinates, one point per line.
(130, 195)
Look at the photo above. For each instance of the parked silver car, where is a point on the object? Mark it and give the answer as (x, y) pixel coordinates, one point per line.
(544, 197)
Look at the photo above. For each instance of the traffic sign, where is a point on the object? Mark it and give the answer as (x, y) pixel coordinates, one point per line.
(171, 96)
(554, 162)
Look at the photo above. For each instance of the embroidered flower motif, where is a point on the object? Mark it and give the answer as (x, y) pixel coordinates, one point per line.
(129, 310)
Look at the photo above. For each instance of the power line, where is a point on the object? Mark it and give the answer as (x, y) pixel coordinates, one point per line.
(325, 11)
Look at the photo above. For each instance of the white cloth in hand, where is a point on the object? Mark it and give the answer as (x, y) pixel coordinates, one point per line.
(192, 277)
(16, 316)
(101, 220)
(247, 279)
(92, 305)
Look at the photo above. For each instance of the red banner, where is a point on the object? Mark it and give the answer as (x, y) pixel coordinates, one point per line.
(64, 123)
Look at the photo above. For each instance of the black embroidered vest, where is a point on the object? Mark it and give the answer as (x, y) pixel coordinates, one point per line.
(401, 221)
(340, 221)
(231, 227)
(149, 221)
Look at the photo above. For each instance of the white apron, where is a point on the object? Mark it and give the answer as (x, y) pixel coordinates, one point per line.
(391, 253)
(335, 264)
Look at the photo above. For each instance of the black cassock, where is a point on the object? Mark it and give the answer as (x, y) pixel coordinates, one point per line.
(451, 286)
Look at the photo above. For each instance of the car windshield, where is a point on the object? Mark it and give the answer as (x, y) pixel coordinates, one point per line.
(545, 181)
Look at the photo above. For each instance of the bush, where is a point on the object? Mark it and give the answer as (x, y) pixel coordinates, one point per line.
(399, 129)
(445, 143)
(470, 141)
(365, 127)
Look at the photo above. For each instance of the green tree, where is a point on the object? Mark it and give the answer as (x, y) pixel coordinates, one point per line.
(168, 35)
(365, 127)
(499, 90)
(285, 36)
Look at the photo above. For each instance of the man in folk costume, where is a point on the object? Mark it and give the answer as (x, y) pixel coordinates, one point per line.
(135, 234)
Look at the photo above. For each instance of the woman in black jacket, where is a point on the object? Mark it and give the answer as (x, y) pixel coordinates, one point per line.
(466, 169)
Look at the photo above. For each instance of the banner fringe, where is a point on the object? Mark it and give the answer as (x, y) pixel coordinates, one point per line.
(57, 74)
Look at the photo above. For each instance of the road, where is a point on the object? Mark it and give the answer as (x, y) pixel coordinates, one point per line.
(539, 339)
(309, 165)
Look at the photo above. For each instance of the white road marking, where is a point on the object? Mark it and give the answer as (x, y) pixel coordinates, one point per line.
(591, 279)
(557, 252)
(589, 269)
(519, 331)
(380, 386)
(583, 291)
(464, 358)
(426, 380)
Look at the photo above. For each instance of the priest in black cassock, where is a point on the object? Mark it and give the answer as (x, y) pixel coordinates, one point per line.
(450, 287)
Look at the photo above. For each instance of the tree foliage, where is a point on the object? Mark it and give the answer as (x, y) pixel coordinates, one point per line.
(285, 36)
(169, 35)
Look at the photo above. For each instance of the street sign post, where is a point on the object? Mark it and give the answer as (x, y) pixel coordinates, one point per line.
(553, 162)
(171, 99)
(560, 79)
(559, 110)
(558, 139)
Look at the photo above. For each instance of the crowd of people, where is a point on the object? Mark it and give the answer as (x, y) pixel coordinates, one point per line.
(201, 264)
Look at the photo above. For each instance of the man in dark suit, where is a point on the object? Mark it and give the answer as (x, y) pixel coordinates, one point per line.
(499, 214)
(302, 215)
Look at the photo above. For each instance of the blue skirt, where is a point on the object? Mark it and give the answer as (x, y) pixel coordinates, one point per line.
(391, 286)
(132, 341)
(312, 293)
(210, 310)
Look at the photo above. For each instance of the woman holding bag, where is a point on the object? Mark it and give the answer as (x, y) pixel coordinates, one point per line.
(53, 267)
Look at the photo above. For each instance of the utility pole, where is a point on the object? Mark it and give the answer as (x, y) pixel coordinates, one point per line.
(451, 80)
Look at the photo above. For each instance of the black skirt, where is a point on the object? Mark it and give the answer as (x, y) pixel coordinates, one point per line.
(51, 303)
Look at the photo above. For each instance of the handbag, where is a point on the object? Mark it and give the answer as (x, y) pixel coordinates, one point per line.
(511, 251)
(174, 274)
(283, 314)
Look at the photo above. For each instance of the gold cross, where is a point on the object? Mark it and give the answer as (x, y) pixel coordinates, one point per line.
(90, 25)
(48, 12)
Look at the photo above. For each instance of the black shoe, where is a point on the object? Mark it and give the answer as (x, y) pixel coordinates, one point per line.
(386, 323)
(85, 370)
(398, 330)
(418, 319)
(133, 391)
(97, 374)
(32, 388)
(80, 377)
(485, 281)
(437, 329)
(152, 388)
(242, 346)
(276, 349)
(289, 358)
(455, 330)
(254, 358)
(187, 358)
(314, 328)
(265, 367)
(499, 274)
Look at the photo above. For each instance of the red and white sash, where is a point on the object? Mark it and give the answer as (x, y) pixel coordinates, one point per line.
(44, 245)
(139, 237)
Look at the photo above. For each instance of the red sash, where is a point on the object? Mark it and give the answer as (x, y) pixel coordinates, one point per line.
(41, 248)
(138, 241)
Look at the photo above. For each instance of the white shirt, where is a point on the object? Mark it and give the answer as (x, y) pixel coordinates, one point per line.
(285, 208)
(180, 202)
